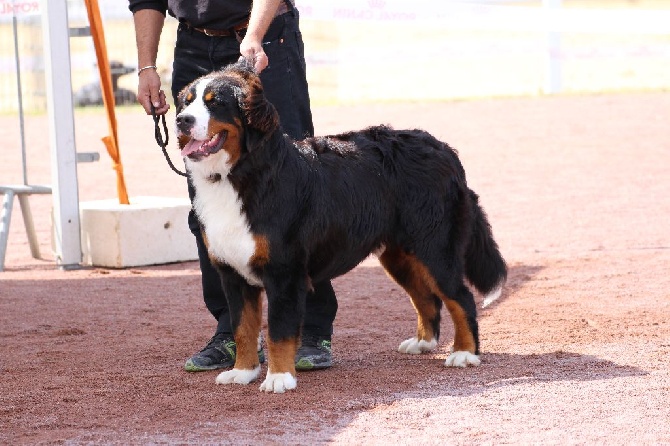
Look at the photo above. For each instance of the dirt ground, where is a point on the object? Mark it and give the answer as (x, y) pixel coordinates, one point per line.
(576, 351)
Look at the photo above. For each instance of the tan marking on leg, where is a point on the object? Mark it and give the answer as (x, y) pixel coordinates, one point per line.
(409, 274)
(424, 283)
(246, 334)
(464, 340)
(281, 355)
(262, 254)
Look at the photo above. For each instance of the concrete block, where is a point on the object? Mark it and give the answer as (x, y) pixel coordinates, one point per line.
(148, 231)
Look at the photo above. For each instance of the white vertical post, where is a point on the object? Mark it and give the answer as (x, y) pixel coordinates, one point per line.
(62, 137)
(552, 82)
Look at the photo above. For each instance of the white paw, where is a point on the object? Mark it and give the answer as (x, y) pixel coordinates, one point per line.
(462, 359)
(278, 382)
(492, 297)
(238, 376)
(413, 346)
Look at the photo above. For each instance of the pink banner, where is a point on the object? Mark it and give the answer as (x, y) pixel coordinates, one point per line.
(19, 8)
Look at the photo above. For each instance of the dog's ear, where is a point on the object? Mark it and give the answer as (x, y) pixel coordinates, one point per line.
(244, 65)
(260, 116)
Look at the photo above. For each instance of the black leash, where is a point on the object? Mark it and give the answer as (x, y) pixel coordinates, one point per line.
(159, 139)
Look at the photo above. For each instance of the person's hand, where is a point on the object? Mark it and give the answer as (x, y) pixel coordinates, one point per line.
(149, 92)
(252, 50)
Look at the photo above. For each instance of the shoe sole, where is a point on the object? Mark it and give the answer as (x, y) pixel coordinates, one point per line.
(194, 368)
(190, 367)
(304, 366)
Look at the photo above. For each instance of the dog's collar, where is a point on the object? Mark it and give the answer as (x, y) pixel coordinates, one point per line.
(214, 177)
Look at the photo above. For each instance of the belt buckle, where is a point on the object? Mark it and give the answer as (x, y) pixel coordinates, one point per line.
(208, 33)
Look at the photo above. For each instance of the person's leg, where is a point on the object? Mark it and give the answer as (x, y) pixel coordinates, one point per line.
(320, 309)
(285, 79)
(285, 86)
(193, 57)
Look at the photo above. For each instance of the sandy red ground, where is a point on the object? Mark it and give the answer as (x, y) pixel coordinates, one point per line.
(576, 350)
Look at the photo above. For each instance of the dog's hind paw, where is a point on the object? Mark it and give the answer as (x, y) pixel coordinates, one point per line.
(278, 382)
(414, 346)
(238, 376)
(462, 359)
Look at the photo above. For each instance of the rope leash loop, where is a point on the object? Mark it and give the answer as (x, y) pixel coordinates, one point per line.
(159, 139)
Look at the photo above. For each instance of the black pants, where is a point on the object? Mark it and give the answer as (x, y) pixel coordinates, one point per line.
(285, 85)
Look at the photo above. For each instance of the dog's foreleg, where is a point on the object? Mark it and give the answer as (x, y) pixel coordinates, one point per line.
(281, 367)
(246, 315)
(286, 307)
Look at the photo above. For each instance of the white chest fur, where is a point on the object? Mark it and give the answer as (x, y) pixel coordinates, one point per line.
(229, 237)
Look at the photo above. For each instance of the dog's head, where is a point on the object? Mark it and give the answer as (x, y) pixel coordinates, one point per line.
(223, 115)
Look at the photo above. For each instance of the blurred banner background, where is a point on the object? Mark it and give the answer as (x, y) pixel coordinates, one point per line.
(361, 51)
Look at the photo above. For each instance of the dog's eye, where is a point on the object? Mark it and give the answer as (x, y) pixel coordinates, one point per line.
(209, 97)
(189, 97)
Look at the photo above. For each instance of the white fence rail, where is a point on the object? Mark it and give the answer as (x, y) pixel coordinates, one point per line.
(532, 46)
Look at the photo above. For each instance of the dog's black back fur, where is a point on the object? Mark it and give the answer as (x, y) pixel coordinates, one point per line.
(382, 197)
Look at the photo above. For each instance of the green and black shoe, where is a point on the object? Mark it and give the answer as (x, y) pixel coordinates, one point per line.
(219, 353)
(314, 353)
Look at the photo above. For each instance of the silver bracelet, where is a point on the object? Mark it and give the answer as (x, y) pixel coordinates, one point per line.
(146, 68)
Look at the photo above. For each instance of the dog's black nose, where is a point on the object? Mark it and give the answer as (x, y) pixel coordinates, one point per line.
(185, 122)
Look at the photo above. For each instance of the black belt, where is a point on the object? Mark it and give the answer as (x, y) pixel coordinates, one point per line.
(236, 31)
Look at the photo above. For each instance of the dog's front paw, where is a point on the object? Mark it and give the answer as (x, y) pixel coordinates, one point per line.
(278, 382)
(414, 346)
(462, 359)
(238, 376)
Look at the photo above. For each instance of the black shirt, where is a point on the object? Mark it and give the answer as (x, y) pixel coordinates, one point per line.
(212, 14)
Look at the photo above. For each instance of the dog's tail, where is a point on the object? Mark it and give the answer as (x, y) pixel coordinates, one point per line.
(485, 267)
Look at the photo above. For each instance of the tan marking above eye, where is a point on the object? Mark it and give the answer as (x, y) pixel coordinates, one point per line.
(209, 97)
(189, 96)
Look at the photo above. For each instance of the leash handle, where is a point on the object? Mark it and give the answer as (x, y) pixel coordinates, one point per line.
(163, 143)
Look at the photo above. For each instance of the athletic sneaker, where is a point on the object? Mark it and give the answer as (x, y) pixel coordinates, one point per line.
(219, 353)
(314, 353)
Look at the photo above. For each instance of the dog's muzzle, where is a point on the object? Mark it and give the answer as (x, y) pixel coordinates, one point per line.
(198, 149)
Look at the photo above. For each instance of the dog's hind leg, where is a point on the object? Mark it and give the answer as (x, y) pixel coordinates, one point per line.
(246, 310)
(441, 284)
(446, 280)
(409, 274)
(461, 306)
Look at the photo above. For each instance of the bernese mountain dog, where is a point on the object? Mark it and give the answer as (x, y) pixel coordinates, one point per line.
(278, 215)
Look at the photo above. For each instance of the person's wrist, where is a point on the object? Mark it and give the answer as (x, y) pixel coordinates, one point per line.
(253, 37)
(145, 68)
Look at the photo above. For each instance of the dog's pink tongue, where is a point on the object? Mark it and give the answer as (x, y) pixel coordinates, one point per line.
(192, 146)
